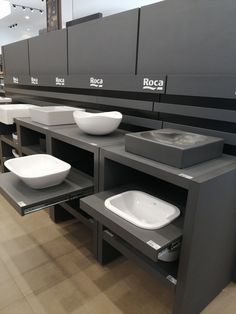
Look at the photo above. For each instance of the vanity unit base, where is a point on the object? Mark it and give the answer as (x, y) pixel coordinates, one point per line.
(206, 226)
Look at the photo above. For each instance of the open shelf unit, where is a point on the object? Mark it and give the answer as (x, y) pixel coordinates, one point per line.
(199, 193)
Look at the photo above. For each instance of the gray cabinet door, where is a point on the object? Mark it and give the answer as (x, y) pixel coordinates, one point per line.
(188, 37)
(48, 53)
(16, 59)
(106, 46)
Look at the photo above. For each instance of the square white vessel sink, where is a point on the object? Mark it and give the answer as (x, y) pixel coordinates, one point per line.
(142, 210)
(53, 115)
(39, 171)
(9, 112)
(5, 100)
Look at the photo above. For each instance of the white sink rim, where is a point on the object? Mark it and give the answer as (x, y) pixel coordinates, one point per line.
(52, 109)
(174, 211)
(101, 123)
(40, 170)
(9, 112)
(54, 115)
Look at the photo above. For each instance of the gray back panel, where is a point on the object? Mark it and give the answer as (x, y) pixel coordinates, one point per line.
(106, 45)
(188, 37)
(16, 59)
(48, 53)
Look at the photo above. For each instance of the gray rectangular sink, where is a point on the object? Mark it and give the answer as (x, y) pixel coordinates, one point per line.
(174, 147)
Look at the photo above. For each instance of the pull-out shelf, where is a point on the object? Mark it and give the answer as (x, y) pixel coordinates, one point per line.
(149, 242)
(26, 200)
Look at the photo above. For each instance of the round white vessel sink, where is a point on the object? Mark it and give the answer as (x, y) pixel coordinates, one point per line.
(142, 210)
(39, 171)
(98, 123)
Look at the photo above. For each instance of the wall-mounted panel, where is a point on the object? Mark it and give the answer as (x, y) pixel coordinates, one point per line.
(16, 59)
(48, 53)
(188, 37)
(126, 103)
(104, 46)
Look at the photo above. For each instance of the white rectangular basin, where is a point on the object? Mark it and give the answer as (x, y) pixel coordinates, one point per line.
(142, 210)
(53, 115)
(5, 100)
(9, 112)
(39, 171)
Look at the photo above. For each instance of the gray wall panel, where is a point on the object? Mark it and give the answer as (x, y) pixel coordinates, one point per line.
(188, 37)
(126, 103)
(106, 45)
(16, 58)
(48, 53)
(197, 112)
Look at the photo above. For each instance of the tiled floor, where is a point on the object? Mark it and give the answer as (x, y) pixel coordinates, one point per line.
(48, 268)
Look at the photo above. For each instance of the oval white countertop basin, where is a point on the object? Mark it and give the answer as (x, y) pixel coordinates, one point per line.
(142, 210)
(98, 123)
(39, 171)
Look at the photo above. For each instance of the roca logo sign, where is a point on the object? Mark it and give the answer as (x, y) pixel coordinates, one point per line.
(60, 81)
(96, 82)
(15, 80)
(153, 85)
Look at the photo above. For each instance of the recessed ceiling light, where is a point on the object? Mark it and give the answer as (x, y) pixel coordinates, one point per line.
(27, 17)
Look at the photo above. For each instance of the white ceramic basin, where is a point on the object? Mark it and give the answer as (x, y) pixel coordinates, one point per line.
(142, 210)
(5, 100)
(39, 171)
(9, 112)
(98, 123)
(53, 115)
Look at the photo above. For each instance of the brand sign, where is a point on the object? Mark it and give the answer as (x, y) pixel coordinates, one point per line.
(60, 81)
(153, 85)
(34, 80)
(15, 80)
(96, 82)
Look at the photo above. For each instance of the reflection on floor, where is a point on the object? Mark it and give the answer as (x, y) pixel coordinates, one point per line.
(48, 268)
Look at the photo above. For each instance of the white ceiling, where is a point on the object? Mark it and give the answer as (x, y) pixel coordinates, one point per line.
(29, 27)
(26, 28)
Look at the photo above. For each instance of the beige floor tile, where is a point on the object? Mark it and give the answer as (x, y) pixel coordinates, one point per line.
(76, 261)
(46, 234)
(10, 230)
(19, 307)
(4, 273)
(18, 245)
(40, 278)
(69, 296)
(101, 304)
(57, 247)
(9, 293)
(27, 260)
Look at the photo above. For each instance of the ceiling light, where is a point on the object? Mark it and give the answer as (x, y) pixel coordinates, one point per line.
(23, 8)
(31, 9)
(27, 17)
(14, 6)
(41, 11)
(5, 8)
